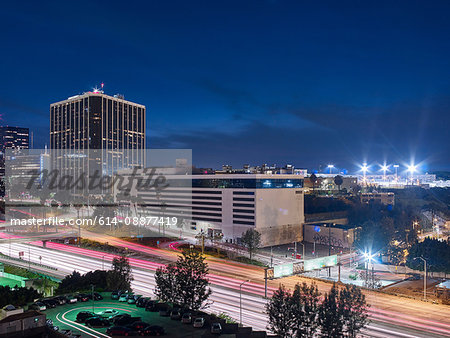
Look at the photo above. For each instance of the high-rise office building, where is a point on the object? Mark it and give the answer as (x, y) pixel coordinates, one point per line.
(14, 138)
(109, 128)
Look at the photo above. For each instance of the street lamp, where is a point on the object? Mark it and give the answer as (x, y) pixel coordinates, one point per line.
(412, 169)
(330, 166)
(240, 300)
(425, 277)
(369, 257)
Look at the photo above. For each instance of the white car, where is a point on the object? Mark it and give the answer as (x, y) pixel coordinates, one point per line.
(123, 298)
(199, 322)
(108, 313)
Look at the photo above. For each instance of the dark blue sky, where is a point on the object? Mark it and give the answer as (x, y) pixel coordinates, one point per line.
(298, 82)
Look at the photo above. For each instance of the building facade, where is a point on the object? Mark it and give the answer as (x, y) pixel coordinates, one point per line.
(229, 204)
(98, 132)
(14, 138)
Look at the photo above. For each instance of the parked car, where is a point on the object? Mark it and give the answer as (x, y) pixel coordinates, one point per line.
(118, 331)
(123, 297)
(115, 295)
(175, 314)
(216, 328)
(83, 315)
(199, 322)
(131, 300)
(154, 330)
(138, 326)
(71, 299)
(142, 301)
(50, 303)
(38, 306)
(151, 306)
(61, 300)
(186, 318)
(109, 313)
(81, 297)
(123, 321)
(97, 322)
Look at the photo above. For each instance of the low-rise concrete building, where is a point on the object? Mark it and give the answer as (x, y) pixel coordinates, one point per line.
(25, 324)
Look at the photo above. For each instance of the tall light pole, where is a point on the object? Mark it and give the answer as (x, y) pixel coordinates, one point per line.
(412, 169)
(369, 258)
(330, 166)
(424, 277)
(240, 300)
(396, 166)
(384, 168)
(364, 169)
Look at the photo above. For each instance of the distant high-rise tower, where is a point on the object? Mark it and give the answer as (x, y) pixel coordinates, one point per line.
(108, 126)
(14, 138)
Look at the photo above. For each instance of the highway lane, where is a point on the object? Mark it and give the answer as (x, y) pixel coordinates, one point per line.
(225, 290)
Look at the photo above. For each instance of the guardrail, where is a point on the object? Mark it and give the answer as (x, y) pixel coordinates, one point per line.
(4, 257)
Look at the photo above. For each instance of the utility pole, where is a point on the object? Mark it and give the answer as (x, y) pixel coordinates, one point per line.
(240, 301)
(265, 282)
(329, 247)
(424, 277)
(92, 294)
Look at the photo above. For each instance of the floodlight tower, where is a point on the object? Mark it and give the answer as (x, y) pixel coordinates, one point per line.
(396, 166)
(384, 168)
(412, 168)
(330, 166)
(364, 169)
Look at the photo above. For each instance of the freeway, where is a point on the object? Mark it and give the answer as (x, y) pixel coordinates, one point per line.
(391, 316)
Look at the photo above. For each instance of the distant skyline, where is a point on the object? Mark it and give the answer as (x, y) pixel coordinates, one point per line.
(244, 82)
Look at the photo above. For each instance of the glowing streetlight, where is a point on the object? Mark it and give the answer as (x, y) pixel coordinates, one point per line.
(369, 257)
(384, 168)
(330, 166)
(412, 168)
(364, 169)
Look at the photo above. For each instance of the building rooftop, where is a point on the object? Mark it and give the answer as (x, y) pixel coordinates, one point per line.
(22, 315)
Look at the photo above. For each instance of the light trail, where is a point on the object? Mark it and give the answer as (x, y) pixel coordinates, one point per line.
(225, 294)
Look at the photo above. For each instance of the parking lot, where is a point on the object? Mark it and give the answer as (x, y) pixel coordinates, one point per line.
(64, 316)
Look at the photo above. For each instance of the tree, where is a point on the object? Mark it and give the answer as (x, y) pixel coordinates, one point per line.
(251, 239)
(279, 310)
(353, 308)
(330, 314)
(338, 180)
(166, 286)
(436, 253)
(120, 276)
(191, 279)
(185, 282)
(305, 304)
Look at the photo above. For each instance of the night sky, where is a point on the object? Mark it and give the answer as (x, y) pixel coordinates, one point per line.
(302, 82)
